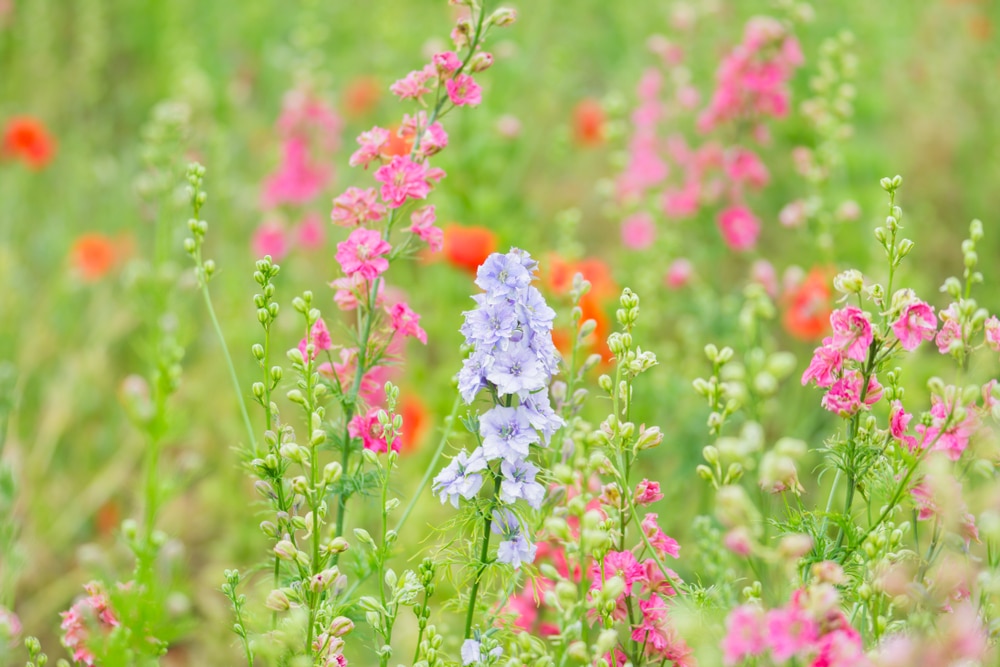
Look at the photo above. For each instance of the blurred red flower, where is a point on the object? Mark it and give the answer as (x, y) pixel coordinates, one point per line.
(93, 255)
(26, 138)
(468, 247)
(416, 422)
(807, 307)
(588, 123)
(557, 277)
(360, 96)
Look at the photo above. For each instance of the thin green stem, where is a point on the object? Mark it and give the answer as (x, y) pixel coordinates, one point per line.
(483, 553)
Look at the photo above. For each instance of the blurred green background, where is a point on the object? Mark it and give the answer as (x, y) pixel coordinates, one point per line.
(93, 71)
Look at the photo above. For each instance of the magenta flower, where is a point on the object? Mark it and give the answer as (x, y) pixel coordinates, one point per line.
(406, 322)
(852, 332)
(414, 84)
(356, 207)
(844, 397)
(92, 612)
(743, 166)
(371, 143)
(826, 364)
(362, 254)
(618, 563)
(899, 422)
(320, 339)
(789, 631)
(368, 428)
(446, 62)
(647, 492)
(423, 220)
(310, 233)
(679, 273)
(463, 90)
(270, 239)
(638, 231)
(952, 440)
(992, 327)
(744, 634)
(403, 179)
(916, 324)
(660, 541)
(297, 179)
(740, 228)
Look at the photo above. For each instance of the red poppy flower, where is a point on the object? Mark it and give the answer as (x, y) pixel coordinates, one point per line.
(93, 255)
(27, 139)
(807, 307)
(468, 247)
(588, 123)
(416, 422)
(360, 96)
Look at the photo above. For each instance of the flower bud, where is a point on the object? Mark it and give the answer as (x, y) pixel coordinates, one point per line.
(277, 600)
(503, 17)
(285, 550)
(481, 61)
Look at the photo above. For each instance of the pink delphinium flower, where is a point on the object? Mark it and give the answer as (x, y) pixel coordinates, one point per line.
(446, 62)
(658, 637)
(739, 541)
(297, 180)
(368, 428)
(362, 254)
(826, 364)
(423, 227)
(844, 397)
(852, 332)
(899, 422)
(356, 207)
(638, 231)
(789, 630)
(463, 90)
(841, 648)
(310, 233)
(320, 339)
(762, 272)
(414, 84)
(744, 634)
(622, 564)
(740, 228)
(406, 322)
(950, 330)
(350, 289)
(679, 273)
(916, 324)
(647, 492)
(992, 328)
(743, 166)
(681, 203)
(75, 622)
(952, 440)
(372, 143)
(657, 538)
(270, 239)
(403, 179)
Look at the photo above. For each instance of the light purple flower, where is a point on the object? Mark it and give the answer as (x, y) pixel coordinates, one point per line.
(502, 276)
(461, 478)
(506, 433)
(472, 652)
(517, 369)
(515, 549)
(519, 483)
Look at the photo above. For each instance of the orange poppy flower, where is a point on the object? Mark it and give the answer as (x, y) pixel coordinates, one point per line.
(397, 145)
(93, 255)
(26, 138)
(416, 422)
(468, 247)
(807, 307)
(558, 276)
(360, 96)
(588, 123)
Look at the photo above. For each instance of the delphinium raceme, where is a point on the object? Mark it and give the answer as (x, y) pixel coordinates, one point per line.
(512, 361)
(346, 405)
(870, 585)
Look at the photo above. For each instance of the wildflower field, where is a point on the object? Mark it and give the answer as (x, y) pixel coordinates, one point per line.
(489, 333)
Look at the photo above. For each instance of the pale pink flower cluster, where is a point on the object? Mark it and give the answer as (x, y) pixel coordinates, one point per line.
(310, 134)
(831, 363)
(752, 80)
(811, 628)
(89, 613)
(752, 84)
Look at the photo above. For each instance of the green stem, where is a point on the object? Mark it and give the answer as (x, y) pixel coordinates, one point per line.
(483, 553)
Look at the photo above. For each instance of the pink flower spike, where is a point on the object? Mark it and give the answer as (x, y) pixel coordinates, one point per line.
(916, 324)
(789, 631)
(406, 322)
(740, 228)
(404, 179)
(321, 340)
(356, 207)
(826, 364)
(638, 231)
(446, 62)
(852, 332)
(662, 542)
(368, 428)
(423, 220)
(464, 91)
(899, 422)
(362, 254)
(622, 564)
(371, 143)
